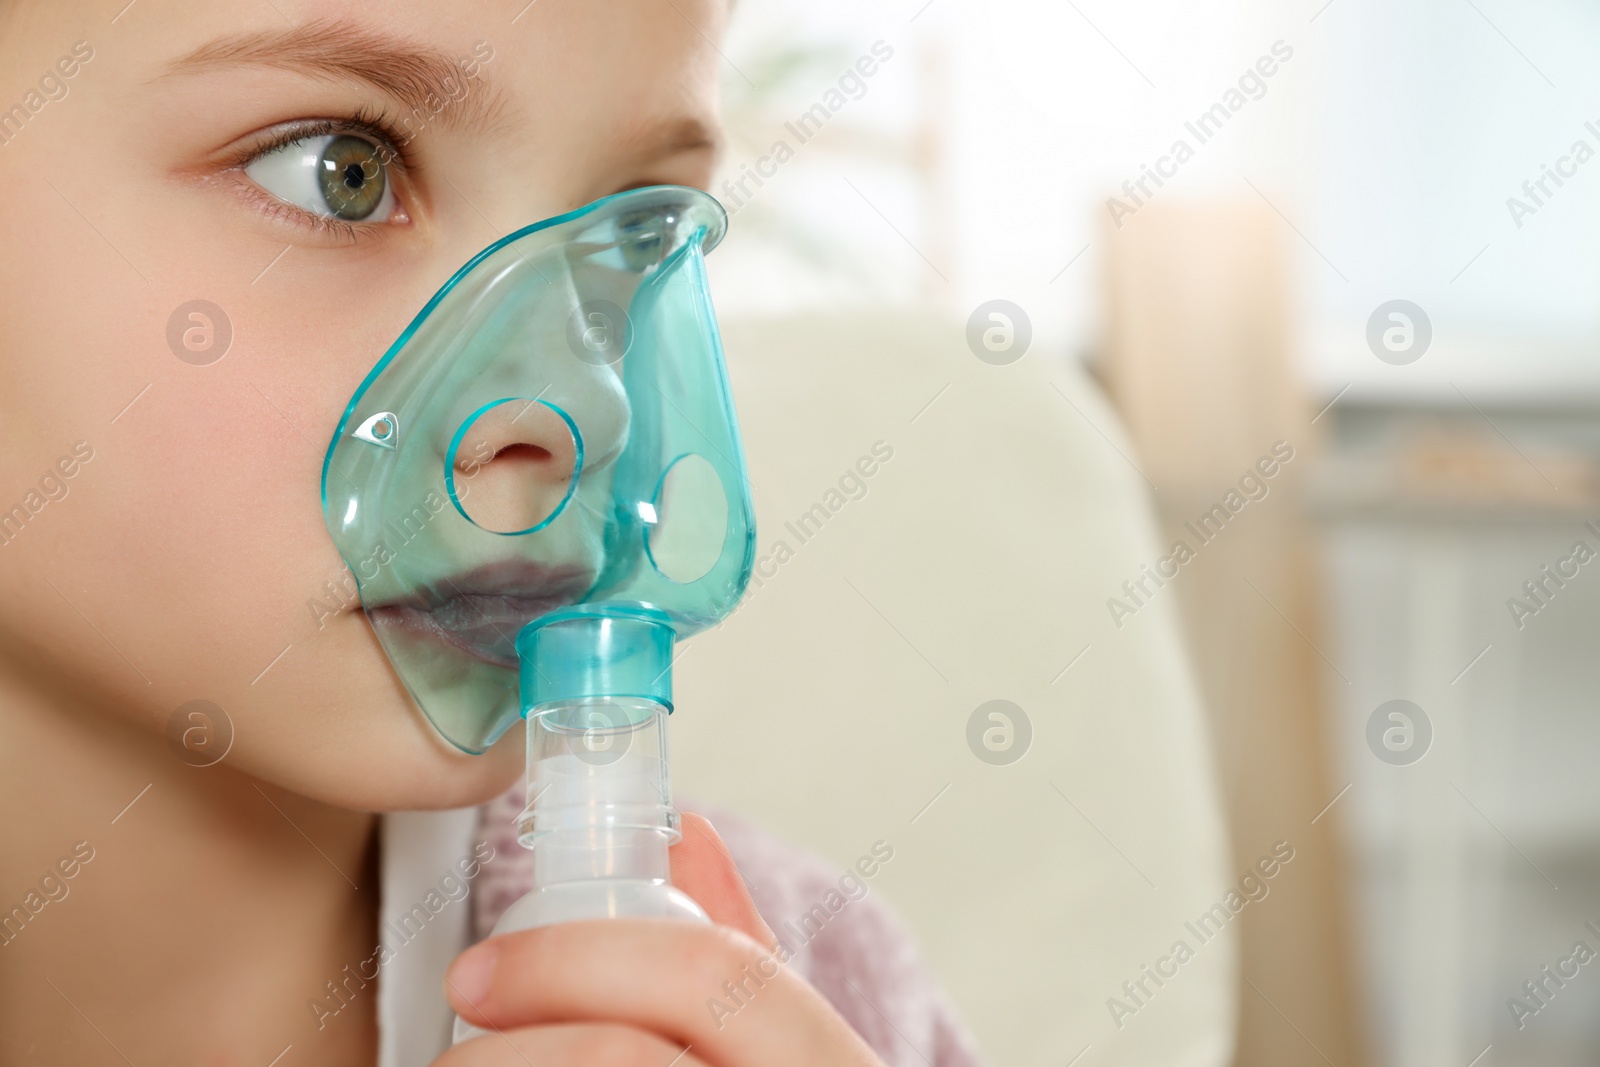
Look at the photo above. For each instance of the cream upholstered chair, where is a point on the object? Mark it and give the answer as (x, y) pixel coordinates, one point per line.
(973, 563)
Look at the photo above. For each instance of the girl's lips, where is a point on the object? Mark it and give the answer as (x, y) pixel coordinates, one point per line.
(480, 612)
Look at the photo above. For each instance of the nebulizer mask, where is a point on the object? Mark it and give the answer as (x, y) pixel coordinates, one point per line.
(541, 489)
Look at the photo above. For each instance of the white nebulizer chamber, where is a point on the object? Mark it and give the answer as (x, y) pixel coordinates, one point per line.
(599, 817)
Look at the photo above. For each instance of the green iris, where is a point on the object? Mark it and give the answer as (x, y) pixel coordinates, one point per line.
(352, 177)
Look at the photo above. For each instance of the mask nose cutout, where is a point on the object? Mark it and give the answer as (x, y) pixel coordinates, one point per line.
(513, 465)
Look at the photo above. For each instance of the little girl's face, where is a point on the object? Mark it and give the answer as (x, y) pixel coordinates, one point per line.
(187, 305)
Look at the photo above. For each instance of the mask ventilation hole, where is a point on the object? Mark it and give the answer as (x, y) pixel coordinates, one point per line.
(382, 429)
(687, 523)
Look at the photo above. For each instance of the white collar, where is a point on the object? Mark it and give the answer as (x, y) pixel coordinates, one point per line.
(418, 849)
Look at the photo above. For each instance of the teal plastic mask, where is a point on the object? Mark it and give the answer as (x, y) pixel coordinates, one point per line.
(554, 429)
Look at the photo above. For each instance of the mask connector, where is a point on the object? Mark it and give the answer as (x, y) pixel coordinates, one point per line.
(597, 689)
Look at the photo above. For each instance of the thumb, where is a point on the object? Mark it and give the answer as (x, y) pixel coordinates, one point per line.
(702, 868)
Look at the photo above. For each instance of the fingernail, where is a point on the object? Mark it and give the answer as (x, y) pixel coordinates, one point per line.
(472, 973)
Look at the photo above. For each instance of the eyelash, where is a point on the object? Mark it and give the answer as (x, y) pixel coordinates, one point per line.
(376, 125)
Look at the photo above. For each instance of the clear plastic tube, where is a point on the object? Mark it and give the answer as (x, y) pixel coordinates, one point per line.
(599, 818)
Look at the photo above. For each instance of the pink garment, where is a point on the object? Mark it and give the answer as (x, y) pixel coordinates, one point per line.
(863, 960)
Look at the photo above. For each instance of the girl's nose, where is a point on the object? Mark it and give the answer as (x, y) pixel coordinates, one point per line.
(515, 464)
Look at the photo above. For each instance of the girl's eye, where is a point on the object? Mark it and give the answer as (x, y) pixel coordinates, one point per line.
(334, 176)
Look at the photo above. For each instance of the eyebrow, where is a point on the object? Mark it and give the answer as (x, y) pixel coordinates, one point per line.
(417, 76)
(652, 141)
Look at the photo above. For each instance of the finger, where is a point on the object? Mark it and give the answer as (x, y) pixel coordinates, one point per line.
(710, 988)
(569, 1045)
(703, 868)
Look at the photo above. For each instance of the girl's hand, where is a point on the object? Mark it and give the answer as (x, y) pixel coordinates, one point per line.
(638, 992)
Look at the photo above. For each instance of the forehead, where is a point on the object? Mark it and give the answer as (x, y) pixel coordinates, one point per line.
(613, 69)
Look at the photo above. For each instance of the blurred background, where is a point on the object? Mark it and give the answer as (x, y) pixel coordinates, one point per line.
(1352, 227)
